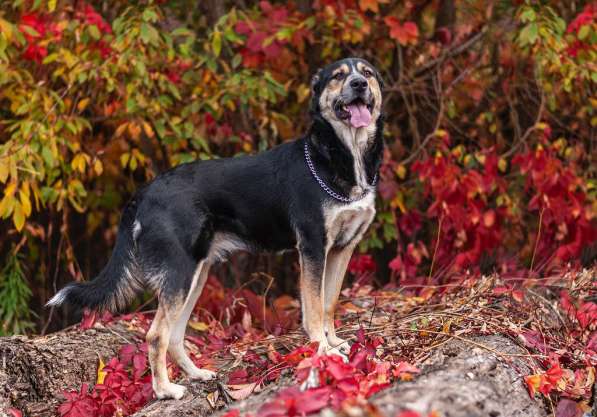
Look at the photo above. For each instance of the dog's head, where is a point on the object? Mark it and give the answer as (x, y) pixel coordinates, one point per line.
(348, 92)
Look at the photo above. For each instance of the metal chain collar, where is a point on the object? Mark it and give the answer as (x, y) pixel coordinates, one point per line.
(327, 189)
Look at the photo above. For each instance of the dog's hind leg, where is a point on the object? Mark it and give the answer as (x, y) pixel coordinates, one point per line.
(174, 281)
(176, 346)
(336, 264)
(157, 342)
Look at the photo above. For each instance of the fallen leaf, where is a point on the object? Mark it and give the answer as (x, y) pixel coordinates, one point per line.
(101, 374)
(198, 325)
(241, 391)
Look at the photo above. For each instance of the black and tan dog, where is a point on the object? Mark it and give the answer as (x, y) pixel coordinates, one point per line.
(315, 194)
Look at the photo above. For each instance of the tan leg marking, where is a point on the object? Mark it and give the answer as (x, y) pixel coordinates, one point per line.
(336, 264)
(158, 338)
(311, 288)
(176, 345)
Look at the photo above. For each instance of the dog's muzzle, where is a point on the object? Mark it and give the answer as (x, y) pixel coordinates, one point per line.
(355, 104)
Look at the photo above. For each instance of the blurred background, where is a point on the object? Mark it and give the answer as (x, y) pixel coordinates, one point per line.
(490, 162)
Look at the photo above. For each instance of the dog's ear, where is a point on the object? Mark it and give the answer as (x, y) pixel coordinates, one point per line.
(316, 82)
(316, 87)
(379, 79)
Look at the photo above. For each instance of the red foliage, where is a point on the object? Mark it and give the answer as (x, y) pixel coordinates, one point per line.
(361, 264)
(91, 17)
(470, 224)
(557, 194)
(586, 17)
(126, 387)
(38, 32)
(405, 33)
(261, 43)
(339, 382)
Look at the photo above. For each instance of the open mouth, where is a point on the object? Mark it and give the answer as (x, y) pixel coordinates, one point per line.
(357, 112)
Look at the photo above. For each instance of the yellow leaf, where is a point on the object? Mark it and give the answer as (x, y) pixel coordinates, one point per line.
(82, 104)
(120, 129)
(401, 171)
(502, 165)
(10, 188)
(6, 206)
(148, 130)
(98, 167)
(101, 374)
(18, 217)
(198, 325)
(25, 202)
(302, 92)
(78, 163)
(6, 29)
(398, 201)
(124, 159)
(3, 170)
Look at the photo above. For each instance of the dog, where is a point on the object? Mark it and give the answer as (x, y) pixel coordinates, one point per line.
(315, 194)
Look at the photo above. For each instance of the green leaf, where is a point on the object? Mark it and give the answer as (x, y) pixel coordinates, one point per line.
(131, 105)
(149, 34)
(528, 35)
(528, 15)
(149, 15)
(216, 43)
(94, 32)
(30, 31)
(583, 32)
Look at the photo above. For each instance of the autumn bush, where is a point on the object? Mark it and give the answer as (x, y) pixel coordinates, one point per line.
(490, 161)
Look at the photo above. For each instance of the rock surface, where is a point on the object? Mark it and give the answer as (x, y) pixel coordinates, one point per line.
(459, 379)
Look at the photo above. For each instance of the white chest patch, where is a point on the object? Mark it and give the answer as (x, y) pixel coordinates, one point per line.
(347, 223)
(357, 141)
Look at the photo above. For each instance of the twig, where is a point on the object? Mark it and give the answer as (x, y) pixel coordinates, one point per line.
(457, 50)
(530, 130)
(432, 134)
(439, 231)
(537, 239)
(504, 355)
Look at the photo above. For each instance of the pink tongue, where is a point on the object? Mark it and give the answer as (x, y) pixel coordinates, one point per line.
(359, 115)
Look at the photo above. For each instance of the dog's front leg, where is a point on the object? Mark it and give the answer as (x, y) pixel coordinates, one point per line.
(336, 264)
(312, 288)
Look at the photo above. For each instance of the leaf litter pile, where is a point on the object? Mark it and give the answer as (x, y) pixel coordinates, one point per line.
(252, 344)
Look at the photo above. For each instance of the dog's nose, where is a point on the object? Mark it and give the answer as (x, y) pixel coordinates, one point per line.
(358, 84)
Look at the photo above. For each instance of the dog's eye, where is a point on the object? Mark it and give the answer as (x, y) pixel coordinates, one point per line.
(367, 73)
(338, 76)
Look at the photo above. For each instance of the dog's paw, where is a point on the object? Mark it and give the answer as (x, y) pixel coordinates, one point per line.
(325, 349)
(340, 344)
(169, 390)
(201, 374)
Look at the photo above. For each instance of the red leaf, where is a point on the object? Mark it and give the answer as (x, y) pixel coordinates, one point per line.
(88, 320)
(403, 33)
(568, 408)
(14, 412)
(518, 295)
(313, 400)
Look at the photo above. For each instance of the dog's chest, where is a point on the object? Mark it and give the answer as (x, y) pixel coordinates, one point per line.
(346, 223)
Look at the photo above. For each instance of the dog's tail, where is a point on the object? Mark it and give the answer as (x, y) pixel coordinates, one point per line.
(117, 283)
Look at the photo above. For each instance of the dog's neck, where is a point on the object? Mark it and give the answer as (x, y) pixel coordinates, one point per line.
(347, 157)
